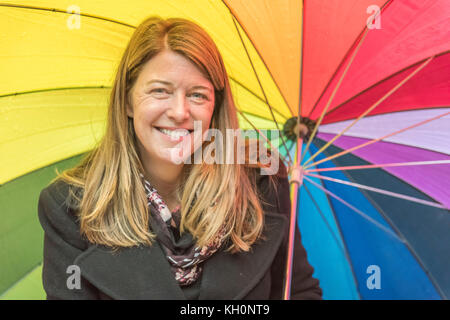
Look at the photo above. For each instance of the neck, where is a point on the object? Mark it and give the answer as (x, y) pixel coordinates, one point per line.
(165, 177)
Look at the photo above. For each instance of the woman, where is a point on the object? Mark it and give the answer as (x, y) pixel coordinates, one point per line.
(136, 220)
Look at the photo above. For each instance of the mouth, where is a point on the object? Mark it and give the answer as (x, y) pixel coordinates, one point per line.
(174, 134)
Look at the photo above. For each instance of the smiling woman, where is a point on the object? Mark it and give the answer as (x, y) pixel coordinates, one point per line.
(141, 226)
(169, 95)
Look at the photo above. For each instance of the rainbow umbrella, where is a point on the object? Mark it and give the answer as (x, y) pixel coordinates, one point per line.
(358, 89)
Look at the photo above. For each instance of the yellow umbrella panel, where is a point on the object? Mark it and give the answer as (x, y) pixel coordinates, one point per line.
(59, 60)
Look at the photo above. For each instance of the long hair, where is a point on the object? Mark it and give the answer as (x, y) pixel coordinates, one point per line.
(112, 204)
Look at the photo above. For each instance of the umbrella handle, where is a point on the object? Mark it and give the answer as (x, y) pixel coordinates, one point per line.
(296, 181)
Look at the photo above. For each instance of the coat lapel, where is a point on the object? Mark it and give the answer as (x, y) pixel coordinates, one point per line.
(233, 276)
(135, 273)
(144, 273)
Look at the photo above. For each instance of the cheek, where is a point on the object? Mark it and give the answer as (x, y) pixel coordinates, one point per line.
(204, 115)
(148, 112)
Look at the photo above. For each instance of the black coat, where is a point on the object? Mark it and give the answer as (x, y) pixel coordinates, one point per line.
(143, 272)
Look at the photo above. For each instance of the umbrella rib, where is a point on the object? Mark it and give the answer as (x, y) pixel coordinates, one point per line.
(24, 276)
(328, 225)
(379, 83)
(255, 115)
(264, 136)
(376, 104)
(262, 89)
(333, 211)
(358, 38)
(359, 212)
(385, 192)
(300, 93)
(109, 87)
(407, 243)
(334, 93)
(293, 144)
(375, 140)
(65, 126)
(65, 12)
(257, 97)
(53, 89)
(235, 16)
(383, 165)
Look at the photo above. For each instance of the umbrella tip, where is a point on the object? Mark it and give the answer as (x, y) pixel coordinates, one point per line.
(293, 128)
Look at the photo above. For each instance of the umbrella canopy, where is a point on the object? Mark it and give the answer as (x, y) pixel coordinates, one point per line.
(369, 79)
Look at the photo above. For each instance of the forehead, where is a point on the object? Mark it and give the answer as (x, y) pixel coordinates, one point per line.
(174, 68)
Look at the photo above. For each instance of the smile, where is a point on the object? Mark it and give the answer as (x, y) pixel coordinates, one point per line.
(175, 134)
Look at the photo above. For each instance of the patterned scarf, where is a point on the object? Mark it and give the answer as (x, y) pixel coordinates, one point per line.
(182, 253)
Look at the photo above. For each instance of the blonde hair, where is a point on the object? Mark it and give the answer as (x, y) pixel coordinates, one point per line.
(112, 207)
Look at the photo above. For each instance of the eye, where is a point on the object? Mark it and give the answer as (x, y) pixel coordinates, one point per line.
(159, 92)
(199, 96)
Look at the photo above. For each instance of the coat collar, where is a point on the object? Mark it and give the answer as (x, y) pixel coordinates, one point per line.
(144, 273)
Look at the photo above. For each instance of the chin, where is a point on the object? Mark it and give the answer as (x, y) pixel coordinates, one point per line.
(172, 156)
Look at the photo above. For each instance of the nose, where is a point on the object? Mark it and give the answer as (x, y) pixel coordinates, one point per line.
(179, 109)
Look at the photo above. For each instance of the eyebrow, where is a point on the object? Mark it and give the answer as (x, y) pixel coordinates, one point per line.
(171, 84)
(160, 81)
(202, 87)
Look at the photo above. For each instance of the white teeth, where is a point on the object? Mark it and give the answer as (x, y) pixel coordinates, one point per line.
(176, 134)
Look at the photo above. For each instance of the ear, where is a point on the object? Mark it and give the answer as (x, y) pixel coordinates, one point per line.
(129, 108)
(129, 111)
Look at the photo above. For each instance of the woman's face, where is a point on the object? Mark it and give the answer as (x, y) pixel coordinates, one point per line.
(168, 96)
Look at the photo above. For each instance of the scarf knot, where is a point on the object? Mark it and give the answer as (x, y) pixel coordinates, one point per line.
(184, 256)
